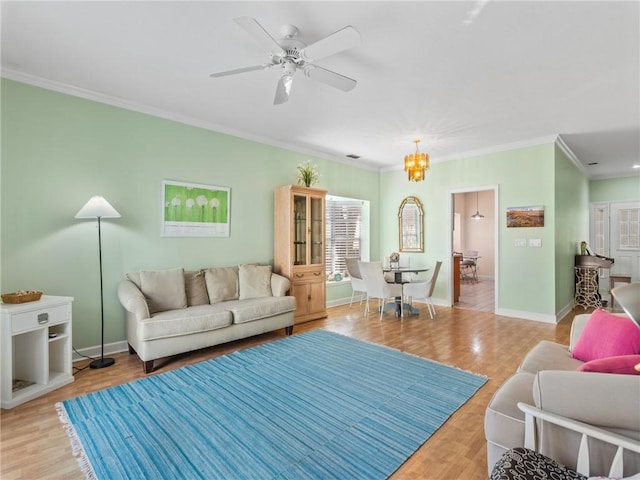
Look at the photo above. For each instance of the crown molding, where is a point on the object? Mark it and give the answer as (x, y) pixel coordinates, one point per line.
(91, 95)
(560, 143)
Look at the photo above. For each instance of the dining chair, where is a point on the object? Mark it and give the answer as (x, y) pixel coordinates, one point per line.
(469, 266)
(377, 286)
(357, 283)
(423, 290)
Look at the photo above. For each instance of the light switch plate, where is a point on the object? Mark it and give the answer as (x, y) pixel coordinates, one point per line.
(535, 242)
(520, 242)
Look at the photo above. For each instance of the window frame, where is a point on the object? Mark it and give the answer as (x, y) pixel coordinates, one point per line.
(334, 236)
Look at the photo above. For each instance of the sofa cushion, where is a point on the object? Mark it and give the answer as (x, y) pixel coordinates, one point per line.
(164, 289)
(607, 401)
(548, 356)
(503, 420)
(607, 335)
(196, 288)
(623, 364)
(200, 318)
(254, 281)
(581, 396)
(222, 283)
(256, 308)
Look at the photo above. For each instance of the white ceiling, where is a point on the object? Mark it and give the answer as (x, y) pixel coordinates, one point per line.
(464, 77)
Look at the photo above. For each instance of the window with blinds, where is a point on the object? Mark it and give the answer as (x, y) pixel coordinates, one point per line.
(344, 227)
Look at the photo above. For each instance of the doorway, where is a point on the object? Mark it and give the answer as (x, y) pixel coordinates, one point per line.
(474, 234)
(614, 232)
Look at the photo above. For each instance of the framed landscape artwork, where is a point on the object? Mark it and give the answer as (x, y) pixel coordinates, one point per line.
(195, 210)
(525, 216)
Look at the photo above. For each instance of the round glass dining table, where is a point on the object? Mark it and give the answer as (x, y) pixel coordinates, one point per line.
(397, 276)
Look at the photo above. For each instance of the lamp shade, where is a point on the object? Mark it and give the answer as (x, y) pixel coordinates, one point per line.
(628, 297)
(97, 207)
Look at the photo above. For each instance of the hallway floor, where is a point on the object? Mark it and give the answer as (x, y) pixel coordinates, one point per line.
(477, 296)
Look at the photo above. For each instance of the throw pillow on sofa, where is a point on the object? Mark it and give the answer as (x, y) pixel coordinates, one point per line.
(607, 335)
(622, 364)
(164, 290)
(196, 288)
(255, 281)
(222, 283)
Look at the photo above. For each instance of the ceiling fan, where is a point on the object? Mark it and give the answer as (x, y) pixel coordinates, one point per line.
(290, 55)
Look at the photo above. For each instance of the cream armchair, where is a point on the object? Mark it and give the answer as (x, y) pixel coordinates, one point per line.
(547, 380)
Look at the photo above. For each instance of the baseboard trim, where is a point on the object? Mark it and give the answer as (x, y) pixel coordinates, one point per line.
(564, 311)
(538, 317)
(95, 351)
(344, 301)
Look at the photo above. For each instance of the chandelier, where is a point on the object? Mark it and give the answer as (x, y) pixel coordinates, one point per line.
(416, 164)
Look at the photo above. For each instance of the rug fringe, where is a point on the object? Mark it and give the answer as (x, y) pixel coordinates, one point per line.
(76, 446)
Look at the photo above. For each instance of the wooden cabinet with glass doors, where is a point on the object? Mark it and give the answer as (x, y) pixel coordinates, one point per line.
(299, 229)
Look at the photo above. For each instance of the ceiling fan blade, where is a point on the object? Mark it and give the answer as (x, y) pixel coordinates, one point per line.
(343, 39)
(241, 70)
(330, 78)
(283, 90)
(256, 30)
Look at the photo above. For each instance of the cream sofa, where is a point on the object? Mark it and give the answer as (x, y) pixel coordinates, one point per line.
(176, 311)
(547, 379)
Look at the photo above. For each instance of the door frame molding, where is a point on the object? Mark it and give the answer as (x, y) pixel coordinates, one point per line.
(496, 238)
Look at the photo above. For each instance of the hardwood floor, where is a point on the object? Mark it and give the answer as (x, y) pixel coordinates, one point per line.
(35, 445)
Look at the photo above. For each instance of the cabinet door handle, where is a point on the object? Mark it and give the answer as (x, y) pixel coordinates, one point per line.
(299, 275)
(309, 297)
(317, 273)
(43, 318)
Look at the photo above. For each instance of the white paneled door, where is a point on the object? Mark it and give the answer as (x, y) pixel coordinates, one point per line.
(625, 239)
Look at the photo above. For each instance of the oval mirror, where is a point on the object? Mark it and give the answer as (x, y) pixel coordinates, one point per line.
(410, 225)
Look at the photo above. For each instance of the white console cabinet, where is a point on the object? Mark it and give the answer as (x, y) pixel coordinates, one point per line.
(35, 338)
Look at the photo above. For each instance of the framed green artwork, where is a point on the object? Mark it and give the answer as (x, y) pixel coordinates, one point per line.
(195, 210)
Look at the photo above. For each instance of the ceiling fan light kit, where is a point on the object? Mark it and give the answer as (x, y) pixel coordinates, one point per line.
(291, 55)
(416, 164)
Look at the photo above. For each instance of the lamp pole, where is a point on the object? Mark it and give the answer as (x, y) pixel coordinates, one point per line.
(102, 362)
(97, 207)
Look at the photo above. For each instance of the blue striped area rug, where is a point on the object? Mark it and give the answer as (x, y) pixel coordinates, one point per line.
(317, 405)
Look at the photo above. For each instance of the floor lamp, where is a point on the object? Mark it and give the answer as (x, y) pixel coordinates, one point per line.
(98, 207)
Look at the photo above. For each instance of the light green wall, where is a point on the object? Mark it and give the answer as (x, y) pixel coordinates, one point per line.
(59, 150)
(571, 224)
(523, 177)
(615, 190)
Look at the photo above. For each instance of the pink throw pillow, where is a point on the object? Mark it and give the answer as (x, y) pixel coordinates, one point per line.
(623, 364)
(607, 335)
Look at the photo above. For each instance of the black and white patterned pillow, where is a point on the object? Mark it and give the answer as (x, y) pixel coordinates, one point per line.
(524, 464)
